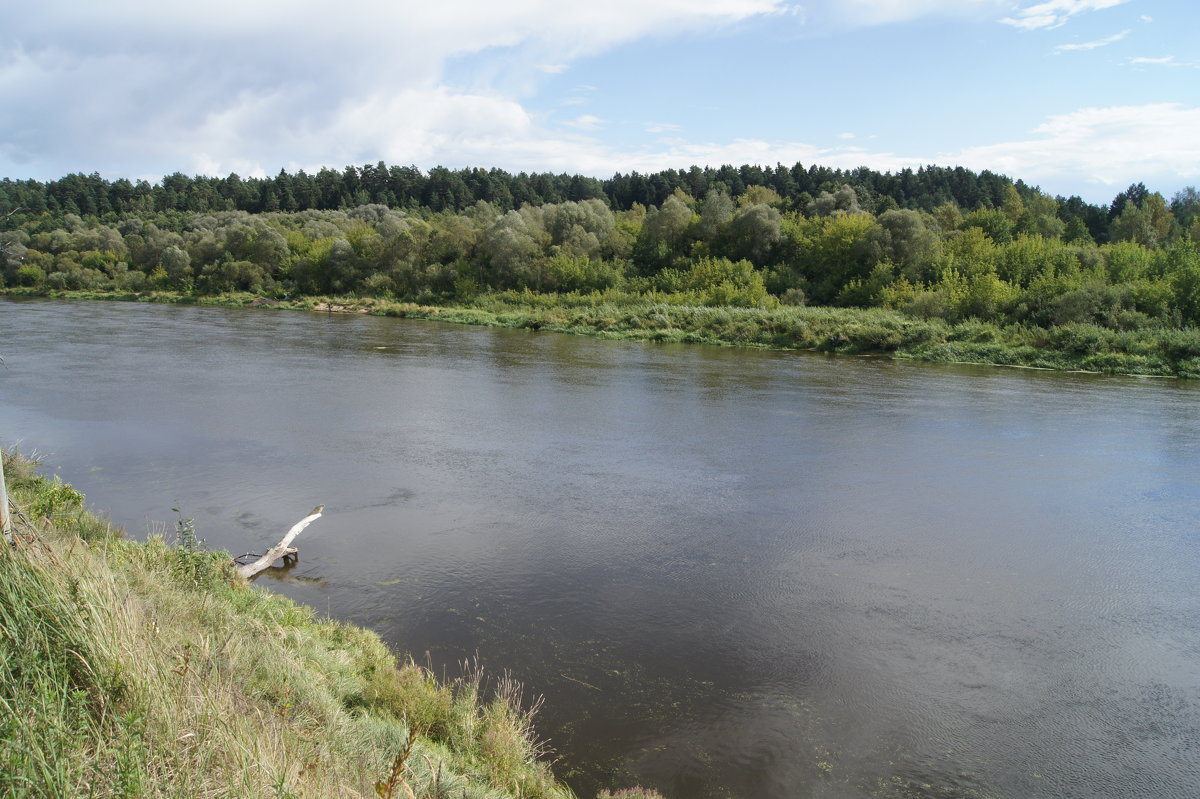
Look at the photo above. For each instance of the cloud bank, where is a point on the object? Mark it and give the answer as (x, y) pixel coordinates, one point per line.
(130, 88)
(226, 84)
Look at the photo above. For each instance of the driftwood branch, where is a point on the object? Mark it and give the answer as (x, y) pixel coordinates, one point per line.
(283, 548)
(5, 519)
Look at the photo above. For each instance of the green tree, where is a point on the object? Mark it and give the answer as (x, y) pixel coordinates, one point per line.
(1185, 280)
(828, 253)
(842, 201)
(511, 249)
(751, 233)
(1185, 207)
(995, 224)
(1026, 258)
(716, 210)
(1126, 261)
(177, 267)
(1040, 217)
(902, 238)
(970, 251)
(662, 236)
(1147, 223)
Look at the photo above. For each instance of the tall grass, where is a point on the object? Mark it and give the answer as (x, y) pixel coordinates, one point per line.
(142, 669)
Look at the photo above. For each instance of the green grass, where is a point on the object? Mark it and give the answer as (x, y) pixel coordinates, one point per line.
(1152, 351)
(134, 669)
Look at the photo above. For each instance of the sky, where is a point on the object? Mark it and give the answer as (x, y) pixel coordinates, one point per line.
(1075, 96)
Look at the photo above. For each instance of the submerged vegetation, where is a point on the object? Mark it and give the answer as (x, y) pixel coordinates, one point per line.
(134, 669)
(940, 264)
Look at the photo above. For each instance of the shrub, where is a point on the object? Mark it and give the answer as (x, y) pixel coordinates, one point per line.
(1079, 339)
(28, 275)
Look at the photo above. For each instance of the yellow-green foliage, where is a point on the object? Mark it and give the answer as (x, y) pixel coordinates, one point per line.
(142, 669)
(716, 282)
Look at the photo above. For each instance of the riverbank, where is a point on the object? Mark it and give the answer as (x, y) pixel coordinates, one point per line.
(1156, 351)
(131, 669)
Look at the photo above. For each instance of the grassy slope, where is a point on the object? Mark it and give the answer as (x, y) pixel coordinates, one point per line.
(141, 669)
(1153, 351)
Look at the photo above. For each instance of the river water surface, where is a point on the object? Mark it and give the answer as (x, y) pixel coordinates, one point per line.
(730, 572)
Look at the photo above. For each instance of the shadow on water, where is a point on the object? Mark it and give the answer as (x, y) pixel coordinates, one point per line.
(289, 571)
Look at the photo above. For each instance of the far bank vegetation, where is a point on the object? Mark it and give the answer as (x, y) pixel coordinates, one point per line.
(994, 269)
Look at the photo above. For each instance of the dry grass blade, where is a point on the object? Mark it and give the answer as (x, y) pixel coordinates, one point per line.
(387, 789)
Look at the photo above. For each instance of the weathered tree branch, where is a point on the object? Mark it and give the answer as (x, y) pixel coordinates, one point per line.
(283, 548)
(5, 520)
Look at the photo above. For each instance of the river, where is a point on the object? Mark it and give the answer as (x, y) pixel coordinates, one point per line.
(730, 572)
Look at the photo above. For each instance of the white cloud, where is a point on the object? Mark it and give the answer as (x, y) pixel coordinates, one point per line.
(864, 13)
(884, 12)
(586, 122)
(1055, 13)
(681, 154)
(1107, 40)
(553, 69)
(133, 85)
(422, 126)
(448, 27)
(129, 88)
(1105, 146)
(1144, 60)
(846, 136)
(579, 95)
(1088, 151)
(799, 12)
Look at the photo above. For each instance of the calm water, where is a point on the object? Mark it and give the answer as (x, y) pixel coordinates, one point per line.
(731, 573)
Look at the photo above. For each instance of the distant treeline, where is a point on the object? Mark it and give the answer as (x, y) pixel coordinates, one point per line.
(964, 246)
(444, 189)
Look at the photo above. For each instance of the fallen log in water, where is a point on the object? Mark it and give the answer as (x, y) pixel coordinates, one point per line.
(5, 522)
(282, 549)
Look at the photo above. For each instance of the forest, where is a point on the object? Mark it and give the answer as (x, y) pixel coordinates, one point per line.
(935, 244)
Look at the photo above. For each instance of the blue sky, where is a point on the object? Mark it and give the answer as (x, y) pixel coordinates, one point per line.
(1077, 96)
